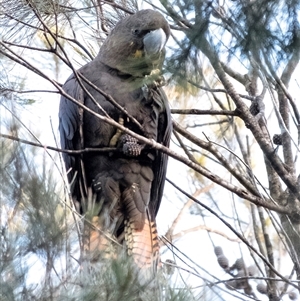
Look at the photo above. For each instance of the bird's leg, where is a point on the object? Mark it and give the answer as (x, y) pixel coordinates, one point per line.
(154, 79)
(108, 197)
(114, 140)
(131, 146)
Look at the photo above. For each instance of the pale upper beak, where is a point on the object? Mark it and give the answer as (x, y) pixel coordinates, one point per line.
(154, 41)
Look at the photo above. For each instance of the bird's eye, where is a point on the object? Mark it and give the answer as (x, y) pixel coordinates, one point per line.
(136, 31)
(140, 32)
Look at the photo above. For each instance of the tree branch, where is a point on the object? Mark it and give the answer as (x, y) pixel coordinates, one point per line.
(203, 112)
(249, 119)
(224, 162)
(66, 151)
(241, 237)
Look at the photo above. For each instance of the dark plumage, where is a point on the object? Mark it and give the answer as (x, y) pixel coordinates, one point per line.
(128, 183)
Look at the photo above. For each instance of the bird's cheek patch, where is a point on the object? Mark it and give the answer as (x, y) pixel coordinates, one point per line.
(138, 54)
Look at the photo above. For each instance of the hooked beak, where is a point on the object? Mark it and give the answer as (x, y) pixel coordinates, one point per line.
(154, 41)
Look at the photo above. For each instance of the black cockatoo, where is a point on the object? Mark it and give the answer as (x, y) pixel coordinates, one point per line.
(127, 183)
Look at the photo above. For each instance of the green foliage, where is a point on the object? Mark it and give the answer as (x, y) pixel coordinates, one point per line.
(39, 246)
(260, 30)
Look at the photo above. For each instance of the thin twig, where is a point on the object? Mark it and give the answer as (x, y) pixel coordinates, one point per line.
(71, 152)
(235, 232)
(203, 112)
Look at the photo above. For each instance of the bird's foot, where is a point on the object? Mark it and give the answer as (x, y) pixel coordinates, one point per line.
(114, 140)
(97, 184)
(154, 79)
(131, 146)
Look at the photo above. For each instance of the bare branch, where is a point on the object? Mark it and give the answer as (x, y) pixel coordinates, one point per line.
(224, 162)
(203, 112)
(170, 233)
(71, 152)
(253, 125)
(270, 266)
(182, 233)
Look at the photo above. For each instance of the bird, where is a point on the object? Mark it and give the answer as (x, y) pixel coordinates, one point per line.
(123, 83)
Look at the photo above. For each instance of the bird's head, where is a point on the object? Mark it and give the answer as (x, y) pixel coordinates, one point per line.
(136, 45)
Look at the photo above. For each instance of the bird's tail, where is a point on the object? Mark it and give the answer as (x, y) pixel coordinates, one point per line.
(142, 244)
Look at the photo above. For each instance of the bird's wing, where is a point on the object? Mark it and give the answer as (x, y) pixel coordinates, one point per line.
(161, 160)
(70, 118)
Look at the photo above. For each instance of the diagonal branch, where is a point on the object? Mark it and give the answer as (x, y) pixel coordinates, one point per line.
(224, 162)
(60, 150)
(254, 198)
(170, 233)
(241, 237)
(264, 143)
(203, 112)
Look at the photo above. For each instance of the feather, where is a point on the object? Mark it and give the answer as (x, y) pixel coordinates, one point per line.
(142, 243)
(127, 185)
